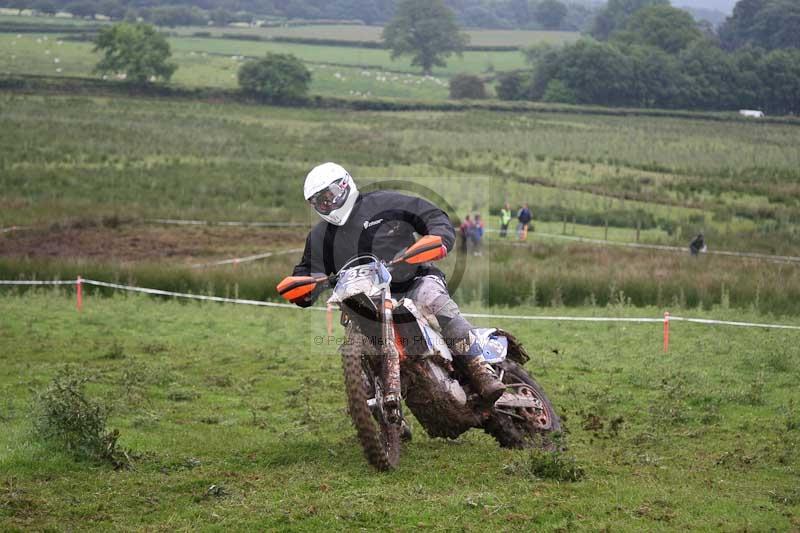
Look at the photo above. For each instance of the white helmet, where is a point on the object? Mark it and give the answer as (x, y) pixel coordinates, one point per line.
(331, 192)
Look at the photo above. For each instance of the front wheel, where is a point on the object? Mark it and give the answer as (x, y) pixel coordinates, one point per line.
(524, 427)
(379, 438)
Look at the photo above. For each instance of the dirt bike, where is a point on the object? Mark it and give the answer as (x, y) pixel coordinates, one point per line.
(393, 354)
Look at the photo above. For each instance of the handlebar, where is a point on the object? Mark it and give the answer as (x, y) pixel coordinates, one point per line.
(427, 248)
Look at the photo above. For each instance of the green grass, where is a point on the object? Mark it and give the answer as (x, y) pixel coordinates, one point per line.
(208, 62)
(470, 62)
(241, 398)
(349, 32)
(543, 158)
(117, 153)
(345, 32)
(508, 274)
(74, 161)
(158, 158)
(11, 16)
(52, 56)
(45, 54)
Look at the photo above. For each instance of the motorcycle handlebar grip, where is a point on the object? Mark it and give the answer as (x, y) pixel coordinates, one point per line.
(296, 287)
(427, 248)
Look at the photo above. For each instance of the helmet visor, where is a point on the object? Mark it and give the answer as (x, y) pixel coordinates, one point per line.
(331, 198)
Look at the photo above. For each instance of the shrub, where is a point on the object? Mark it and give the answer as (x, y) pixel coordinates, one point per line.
(179, 15)
(557, 91)
(277, 78)
(513, 86)
(66, 417)
(467, 86)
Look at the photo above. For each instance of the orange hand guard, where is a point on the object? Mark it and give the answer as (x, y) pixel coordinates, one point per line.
(427, 248)
(296, 287)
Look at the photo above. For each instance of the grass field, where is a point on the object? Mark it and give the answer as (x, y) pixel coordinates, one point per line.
(234, 417)
(348, 32)
(470, 62)
(82, 163)
(215, 62)
(244, 400)
(12, 16)
(336, 70)
(157, 158)
(344, 32)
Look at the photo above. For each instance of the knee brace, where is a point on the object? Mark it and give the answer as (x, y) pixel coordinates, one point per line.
(461, 339)
(456, 328)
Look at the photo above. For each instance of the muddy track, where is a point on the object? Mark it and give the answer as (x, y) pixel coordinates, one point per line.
(139, 242)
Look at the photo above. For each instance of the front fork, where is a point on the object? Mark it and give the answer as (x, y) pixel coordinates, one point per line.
(391, 364)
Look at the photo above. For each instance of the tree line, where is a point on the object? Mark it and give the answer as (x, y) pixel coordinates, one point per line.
(527, 14)
(645, 53)
(642, 53)
(169, 15)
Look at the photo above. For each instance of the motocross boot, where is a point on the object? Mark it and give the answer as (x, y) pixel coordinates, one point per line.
(405, 431)
(480, 373)
(483, 378)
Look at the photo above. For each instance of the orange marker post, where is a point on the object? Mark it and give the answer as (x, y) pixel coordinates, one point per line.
(79, 293)
(666, 331)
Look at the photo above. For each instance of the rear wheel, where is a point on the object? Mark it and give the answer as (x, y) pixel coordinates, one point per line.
(524, 427)
(379, 438)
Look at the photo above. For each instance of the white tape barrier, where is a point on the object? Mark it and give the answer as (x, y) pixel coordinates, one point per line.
(156, 291)
(565, 318)
(33, 282)
(13, 228)
(468, 315)
(641, 320)
(193, 296)
(237, 260)
(732, 323)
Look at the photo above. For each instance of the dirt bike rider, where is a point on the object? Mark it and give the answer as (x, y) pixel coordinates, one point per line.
(383, 223)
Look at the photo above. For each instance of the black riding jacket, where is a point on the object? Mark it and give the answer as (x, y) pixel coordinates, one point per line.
(382, 223)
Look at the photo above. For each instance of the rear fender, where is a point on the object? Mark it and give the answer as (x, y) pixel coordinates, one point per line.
(493, 346)
(516, 351)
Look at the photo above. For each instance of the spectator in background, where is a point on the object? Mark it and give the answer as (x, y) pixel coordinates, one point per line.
(505, 219)
(465, 229)
(697, 245)
(476, 235)
(524, 218)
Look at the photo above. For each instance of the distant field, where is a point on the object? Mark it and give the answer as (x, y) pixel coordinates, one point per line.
(344, 32)
(337, 71)
(470, 62)
(209, 62)
(589, 162)
(95, 161)
(197, 67)
(674, 169)
(10, 15)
